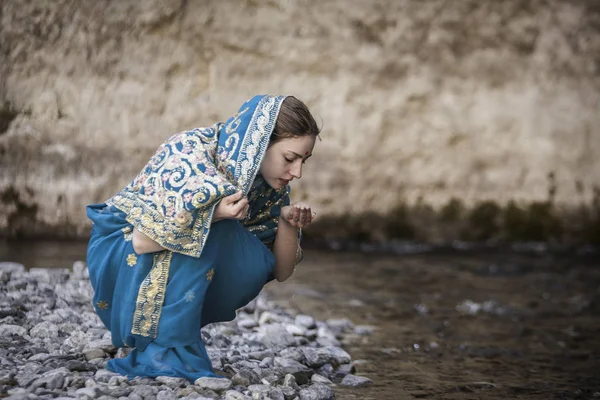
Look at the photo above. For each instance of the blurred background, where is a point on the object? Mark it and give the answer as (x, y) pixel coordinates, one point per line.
(445, 123)
(453, 120)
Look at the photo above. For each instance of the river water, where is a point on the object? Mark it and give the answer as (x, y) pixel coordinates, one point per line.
(491, 325)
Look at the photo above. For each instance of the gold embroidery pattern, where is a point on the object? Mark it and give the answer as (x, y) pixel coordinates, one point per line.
(151, 297)
(210, 274)
(102, 305)
(131, 260)
(256, 141)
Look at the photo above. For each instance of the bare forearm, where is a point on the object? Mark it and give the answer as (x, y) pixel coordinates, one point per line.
(142, 244)
(285, 249)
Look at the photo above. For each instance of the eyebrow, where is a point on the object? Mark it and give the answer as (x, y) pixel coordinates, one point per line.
(298, 155)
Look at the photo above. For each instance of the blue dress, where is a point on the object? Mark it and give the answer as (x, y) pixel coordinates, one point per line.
(199, 291)
(158, 302)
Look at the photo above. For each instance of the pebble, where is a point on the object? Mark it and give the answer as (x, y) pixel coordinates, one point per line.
(355, 381)
(216, 384)
(59, 348)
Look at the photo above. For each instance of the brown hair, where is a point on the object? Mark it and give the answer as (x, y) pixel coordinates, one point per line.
(294, 120)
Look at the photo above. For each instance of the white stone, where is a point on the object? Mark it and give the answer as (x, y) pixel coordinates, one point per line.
(216, 384)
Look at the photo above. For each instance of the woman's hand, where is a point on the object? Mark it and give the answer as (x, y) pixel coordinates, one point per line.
(298, 214)
(231, 207)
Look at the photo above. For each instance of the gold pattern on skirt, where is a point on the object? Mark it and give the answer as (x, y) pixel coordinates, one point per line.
(151, 297)
(131, 260)
(102, 305)
(127, 233)
(210, 274)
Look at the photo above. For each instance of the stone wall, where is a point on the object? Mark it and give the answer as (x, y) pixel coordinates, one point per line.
(422, 102)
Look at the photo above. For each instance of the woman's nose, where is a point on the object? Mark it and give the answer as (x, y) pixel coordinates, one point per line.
(297, 171)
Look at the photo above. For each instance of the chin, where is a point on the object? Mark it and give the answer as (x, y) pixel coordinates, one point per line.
(278, 184)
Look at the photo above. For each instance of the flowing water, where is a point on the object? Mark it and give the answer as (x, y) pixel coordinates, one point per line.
(444, 326)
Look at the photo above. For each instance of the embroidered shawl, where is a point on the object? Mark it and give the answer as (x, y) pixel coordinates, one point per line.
(173, 199)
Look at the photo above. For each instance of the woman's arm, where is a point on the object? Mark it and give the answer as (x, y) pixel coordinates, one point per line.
(286, 250)
(231, 207)
(142, 244)
(287, 247)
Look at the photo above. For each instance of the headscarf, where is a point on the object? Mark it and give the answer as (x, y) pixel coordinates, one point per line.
(173, 199)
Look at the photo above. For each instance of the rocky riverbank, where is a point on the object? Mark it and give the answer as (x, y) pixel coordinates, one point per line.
(53, 345)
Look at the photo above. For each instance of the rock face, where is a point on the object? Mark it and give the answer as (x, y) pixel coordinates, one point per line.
(420, 102)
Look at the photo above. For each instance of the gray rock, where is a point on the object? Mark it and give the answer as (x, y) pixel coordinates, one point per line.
(74, 382)
(166, 395)
(364, 330)
(290, 381)
(288, 392)
(316, 378)
(40, 357)
(102, 344)
(12, 267)
(172, 382)
(94, 354)
(316, 392)
(22, 396)
(235, 395)
(51, 380)
(261, 355)
(8, 378)
(12, 330)
(339, 356)
(25, 379)
(268, 317)
(88, 392)
(247, 323)
(116, 391)
(327, 371)
(339, 325)
(76, 365)
(245, 378)
(346, 369)
(266, 363)
(276, 337)
(293, 353)
(295, 330)
(306, 321)
(118, 380)
(300, 371)
(355, 381)
(275, 393)
(103, 375)
(216, 384)
(80, 270)
(145, 391)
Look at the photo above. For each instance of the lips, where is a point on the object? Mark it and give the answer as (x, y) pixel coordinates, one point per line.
(284, 182)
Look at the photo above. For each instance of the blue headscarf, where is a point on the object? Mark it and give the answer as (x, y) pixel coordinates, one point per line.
(173, 199)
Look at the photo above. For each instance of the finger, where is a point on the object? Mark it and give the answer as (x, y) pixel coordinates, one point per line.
(241, 205)
(303, 216)
(234, 197)
(296, 214)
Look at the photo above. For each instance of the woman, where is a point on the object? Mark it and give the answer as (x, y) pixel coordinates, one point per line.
(198, 233)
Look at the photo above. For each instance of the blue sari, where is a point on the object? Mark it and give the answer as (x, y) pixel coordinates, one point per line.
(158, 302)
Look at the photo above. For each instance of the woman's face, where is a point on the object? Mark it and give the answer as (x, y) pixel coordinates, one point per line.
(284, 160)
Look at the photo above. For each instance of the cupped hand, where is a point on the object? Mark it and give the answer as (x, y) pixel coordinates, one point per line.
(234, 206)
(298, 214)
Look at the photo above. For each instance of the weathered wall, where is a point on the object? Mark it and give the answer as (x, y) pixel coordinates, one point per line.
(421, 101)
